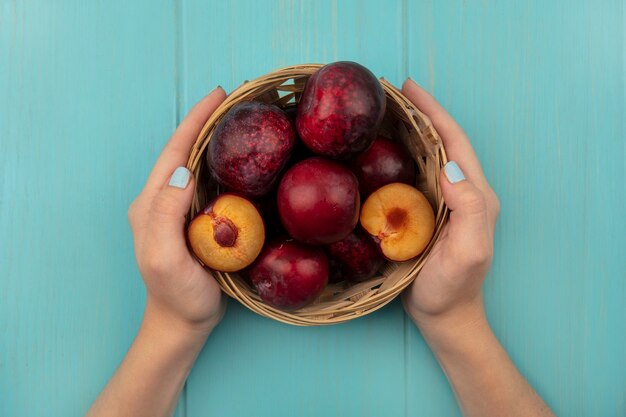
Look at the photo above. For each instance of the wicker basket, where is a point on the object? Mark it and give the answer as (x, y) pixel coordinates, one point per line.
(339, 302)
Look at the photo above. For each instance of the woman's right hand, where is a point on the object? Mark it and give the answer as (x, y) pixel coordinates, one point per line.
(184, 302)
(180, 291)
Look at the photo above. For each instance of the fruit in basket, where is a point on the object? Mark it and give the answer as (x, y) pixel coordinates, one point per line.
(289, 274)
(341, 108)
(357, 256)
(250, 146)
(228, 234)
(384, 162)
(318, 201)
(401, 219)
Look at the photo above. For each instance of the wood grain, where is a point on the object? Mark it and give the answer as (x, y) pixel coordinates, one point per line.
(539, 89)
(87, 100)
(90, 91)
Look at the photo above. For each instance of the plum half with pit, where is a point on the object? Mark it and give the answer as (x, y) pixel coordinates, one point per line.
(228, 234)
(249, 148)
(400, 218)
(341, 109)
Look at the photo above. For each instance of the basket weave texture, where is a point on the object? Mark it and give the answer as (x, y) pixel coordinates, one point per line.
(342, 301)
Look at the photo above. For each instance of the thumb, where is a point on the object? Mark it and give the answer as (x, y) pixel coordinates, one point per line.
(170, 206)
(468, 218)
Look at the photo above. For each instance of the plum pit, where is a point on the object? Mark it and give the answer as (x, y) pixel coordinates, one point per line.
(224, 232)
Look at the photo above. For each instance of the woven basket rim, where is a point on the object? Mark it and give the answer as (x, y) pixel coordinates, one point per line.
(269, 85)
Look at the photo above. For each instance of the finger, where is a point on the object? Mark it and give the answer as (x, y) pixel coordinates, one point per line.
(169, 207)
(469, 225)
(457, 145)
(176, 151)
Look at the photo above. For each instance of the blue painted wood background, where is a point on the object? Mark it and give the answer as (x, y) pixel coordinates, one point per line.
(91, 90)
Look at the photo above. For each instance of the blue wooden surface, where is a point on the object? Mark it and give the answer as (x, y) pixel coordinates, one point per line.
(90, 91)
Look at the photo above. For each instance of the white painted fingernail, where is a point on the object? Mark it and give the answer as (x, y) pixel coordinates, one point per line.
(180, 178)
(453, 172)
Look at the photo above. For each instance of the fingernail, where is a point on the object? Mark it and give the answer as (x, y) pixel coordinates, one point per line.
(180, 178)
(453, 172)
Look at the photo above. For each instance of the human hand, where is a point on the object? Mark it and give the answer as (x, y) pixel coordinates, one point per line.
(180, 292)
(445, 300)
(448, 288)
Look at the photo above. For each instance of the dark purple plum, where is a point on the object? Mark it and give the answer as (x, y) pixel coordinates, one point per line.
(249, 148)
(335, 273)
(384, 162)
(356, 256)
(289, 274)
(341, 109)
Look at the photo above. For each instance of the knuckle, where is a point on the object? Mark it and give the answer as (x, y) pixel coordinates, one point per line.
(164, 205)
(154, 265)
(156, 259)
(132, 212)
(494, 202)
(475, 256)
(479, 256)
(474, 203)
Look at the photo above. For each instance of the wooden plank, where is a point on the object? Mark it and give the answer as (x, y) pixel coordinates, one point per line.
(88, 95)
(251, 365)
(87, 99)
(539, 87)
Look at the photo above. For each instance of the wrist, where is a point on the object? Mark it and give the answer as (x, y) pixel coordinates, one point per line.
(454, 328)
(161, 323)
